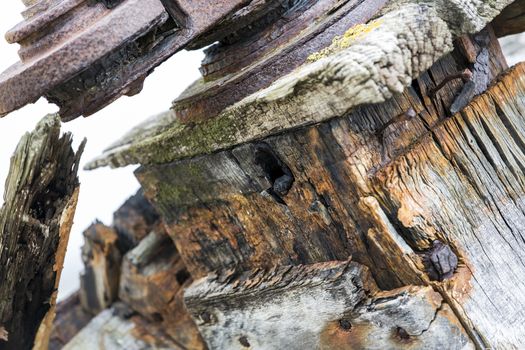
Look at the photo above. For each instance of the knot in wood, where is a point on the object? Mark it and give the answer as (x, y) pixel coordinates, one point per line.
(440, 261)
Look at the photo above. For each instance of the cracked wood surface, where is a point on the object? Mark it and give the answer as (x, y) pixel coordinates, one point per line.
(333, 305)
(213, 207)
(151, 283)
(382, 198)
(40, 200)
(397, 48)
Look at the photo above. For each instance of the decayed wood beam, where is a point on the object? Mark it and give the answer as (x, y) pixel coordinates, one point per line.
(119, 328)
(376, 62)
(102, 258)
(70, 319)
(511, 20)
(333, 305)
(457, 181)
(397, 198)
(105, 246)
(35, 221)
(152, 282)
(219, 211)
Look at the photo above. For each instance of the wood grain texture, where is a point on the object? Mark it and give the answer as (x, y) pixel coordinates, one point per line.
(110, 330)
(40, 199)
(102, 259)
(511, 20)
(333, 305)
(217, 210)
(382, 198)
(396, 49)
(152, 281)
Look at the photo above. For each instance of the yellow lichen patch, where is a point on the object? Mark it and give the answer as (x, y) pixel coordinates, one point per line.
(344, 41)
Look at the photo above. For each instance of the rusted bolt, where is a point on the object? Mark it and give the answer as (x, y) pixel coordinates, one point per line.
(244, 341)
(440, 261)
(345, 324)
(464, 75)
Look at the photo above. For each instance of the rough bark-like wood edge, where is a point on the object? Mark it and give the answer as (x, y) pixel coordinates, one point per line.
(35, 221)
(397, 48)
(66, 222)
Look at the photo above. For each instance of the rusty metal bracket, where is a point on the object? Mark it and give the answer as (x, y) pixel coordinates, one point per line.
(84, 54)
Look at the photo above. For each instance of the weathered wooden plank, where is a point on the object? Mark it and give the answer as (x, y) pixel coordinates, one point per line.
(383, 197)
(377, 62)
(70, 319)
(333, 305)
(118, 328)
(152, 281)
(219, 213)
(464, 183)
(511, 20)
(102, 258)
(35, 221)
(134, 220)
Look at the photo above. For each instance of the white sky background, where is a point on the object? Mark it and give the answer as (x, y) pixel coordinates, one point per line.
(102, 191)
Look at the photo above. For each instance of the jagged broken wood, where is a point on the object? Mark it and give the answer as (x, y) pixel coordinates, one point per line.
(103, 249)
(332, 306)
(39, 203)
(102, 257)
(152, 281)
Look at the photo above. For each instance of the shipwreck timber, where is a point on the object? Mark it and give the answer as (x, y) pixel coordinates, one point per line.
(345, 175)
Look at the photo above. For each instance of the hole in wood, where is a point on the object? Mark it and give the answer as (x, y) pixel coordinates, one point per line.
(244, 341)
(274, 170)
(157, 317)
(402, 334)
(345, 324)
(182, 276)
